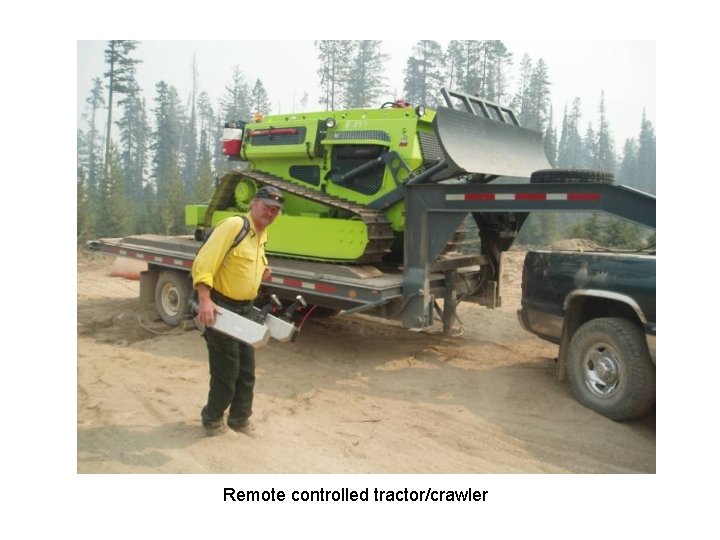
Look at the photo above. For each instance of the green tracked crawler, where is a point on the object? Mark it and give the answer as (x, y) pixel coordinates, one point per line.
(344, 172)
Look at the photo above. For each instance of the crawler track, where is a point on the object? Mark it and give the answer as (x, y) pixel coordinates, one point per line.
(379, 230)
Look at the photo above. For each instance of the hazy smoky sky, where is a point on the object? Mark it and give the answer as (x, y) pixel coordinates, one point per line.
(623, 70)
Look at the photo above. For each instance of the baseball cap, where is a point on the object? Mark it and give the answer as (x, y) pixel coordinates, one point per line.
(270, 195)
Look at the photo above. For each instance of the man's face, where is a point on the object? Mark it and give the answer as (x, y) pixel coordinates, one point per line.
(263, 214)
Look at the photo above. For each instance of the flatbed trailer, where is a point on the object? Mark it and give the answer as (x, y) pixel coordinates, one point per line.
(409, 292)
(341, 288)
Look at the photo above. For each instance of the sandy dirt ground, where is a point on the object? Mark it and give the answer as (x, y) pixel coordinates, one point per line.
(351, 395)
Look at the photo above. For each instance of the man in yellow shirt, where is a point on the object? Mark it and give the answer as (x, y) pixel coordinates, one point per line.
(230, 277)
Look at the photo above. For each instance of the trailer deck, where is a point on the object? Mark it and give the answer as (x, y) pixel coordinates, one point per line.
(346, 288)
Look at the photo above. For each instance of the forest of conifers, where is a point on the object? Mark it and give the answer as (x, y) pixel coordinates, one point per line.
(153, 154)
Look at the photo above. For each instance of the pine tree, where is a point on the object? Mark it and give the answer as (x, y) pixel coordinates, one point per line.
(605, 149)
(189, 140)
(171, 203)
(205, 183)
(208, 126)
(550, 141)
(120, 76)
(365, 82)
(211, 129)
(453, 64)
(260, 100)
(521, 100)
(646, 157)
(134, 141)
(334, 70)
(147, 213)
(92, 140)
(114, 211)
(235, 106)
(571, 150)
(479, 67)
(562, 147)
(166, 138)
(236, 103)
(473, 76)
(424, 73)
(628, 174)
(499, 90)
(80, 145)
(220, 161)
(85, 208)
(588, 159)
(494, 58)
(536, 103)
(463, 60)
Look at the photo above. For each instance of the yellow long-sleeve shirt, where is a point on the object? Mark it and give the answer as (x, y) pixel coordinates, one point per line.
(239, 274)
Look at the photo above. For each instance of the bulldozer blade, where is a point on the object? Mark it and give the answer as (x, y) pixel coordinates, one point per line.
(475, 144)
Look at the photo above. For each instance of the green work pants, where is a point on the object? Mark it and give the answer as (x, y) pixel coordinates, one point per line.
(232, 377)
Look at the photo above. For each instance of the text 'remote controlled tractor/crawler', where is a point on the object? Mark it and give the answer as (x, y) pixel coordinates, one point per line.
(344, 173)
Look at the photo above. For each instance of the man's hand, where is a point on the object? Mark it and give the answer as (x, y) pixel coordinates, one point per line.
(267, 274)
(206, 307)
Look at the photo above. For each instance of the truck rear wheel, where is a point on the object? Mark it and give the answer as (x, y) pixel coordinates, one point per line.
(571, 176)
(172, 294)
(610, 370)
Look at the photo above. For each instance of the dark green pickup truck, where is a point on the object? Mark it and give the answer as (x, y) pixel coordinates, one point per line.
(600, 308)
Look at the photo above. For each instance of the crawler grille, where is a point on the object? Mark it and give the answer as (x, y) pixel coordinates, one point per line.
(370, 135)
(430, 148)
(310, 174)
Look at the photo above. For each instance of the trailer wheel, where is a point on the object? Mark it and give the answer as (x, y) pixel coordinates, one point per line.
(571, 176)
(172, 295)
(610, 370)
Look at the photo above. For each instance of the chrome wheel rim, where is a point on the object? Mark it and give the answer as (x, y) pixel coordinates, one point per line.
(170, 299)
(601, 370)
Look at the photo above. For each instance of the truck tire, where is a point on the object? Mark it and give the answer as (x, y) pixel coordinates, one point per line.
(172, 295)
(571, 176)
(610, 370)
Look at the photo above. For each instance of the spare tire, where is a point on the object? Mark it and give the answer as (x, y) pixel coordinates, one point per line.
(571, 176)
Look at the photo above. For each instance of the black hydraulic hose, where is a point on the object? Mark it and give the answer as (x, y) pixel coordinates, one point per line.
(366, 167)
(399, 193)
(420, 178)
